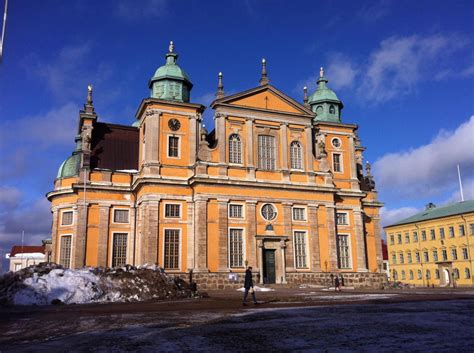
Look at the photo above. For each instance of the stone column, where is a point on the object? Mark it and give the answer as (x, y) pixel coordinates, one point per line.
(360, 246)
(250, 149)
(331, 224)
(192, 138)
(132, 239)
(288, 231)
(378, 241)
(251, 216)
(142, 239)
(200, 222)
(151, 220)
(54, 236)
(314, 238)
(104, 220)
(80, 235)
(223, 235)
(190, 236)
(283, 262)
(260, 259)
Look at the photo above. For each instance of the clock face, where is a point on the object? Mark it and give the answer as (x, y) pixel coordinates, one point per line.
(174, 124)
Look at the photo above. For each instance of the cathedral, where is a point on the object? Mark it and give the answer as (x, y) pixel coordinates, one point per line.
(278, 185)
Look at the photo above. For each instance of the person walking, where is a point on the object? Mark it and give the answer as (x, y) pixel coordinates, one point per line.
(248, 285)
(336, 284)
(341, 282)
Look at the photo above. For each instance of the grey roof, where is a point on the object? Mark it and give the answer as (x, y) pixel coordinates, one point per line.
(438, 212)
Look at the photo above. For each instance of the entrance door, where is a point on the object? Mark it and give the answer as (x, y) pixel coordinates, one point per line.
(447, 278)
(269, 266)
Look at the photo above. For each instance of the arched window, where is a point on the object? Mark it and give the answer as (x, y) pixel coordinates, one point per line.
(411, 274)
(428, 274)
(235, 149)
(456, 273)
(296, 154)
(420, 274)
(395, 275)
(403, 274)
(437, 274)
(467, 273)
(332, 110)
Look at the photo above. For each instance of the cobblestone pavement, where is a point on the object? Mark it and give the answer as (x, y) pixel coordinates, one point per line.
(303, 319)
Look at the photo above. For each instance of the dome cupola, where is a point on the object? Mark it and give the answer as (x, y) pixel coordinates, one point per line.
(324, 102)
(170, 82)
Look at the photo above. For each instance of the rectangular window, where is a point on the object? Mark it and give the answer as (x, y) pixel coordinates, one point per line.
(392, 239)
(394, 259)
(17, 267)
(465, 255)
(236, 211)
(441, 233)
(120, 216)
(444, 253)
(409, 258)
(236, 248)
(471, 227)
(399, 238)
(300, 249)
(266, 152)
(342, 219)
(337, 162)
(415, 237)
(65, 254)
(426, 256)
(299, 214)
(462, 231)
(417, 257)
(173, 146)
(67, 218)
(172, 210)
(423, 235)
(454, 254)
(344, 254)
(119, 250)
(171, 249)
(402, 260)
(435, 255)
(451, 232)
(432, 234)
(407, 237)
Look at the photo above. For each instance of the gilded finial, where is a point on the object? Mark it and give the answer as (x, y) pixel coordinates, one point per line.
(321, 72)
(264, 79)
(171, 47)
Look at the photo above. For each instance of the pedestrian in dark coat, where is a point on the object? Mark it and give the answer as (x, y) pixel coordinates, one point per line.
(336, 284)
(341, 281)
(248, 285)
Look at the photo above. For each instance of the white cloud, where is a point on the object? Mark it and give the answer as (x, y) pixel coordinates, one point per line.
(341, 71)
(373, 11)
(390, 216)
(428, 170)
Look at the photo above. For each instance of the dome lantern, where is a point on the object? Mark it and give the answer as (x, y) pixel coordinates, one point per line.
(324, 102)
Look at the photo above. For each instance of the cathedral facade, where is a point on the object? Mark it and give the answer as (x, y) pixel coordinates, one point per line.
(277, 185)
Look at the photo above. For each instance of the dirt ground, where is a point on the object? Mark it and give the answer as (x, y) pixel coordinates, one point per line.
(305, 319)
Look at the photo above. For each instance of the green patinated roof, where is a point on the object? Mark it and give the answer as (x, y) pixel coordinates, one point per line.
(438, 212)
(323, 93)
(71, 166)
(136, 123)
(170, 70)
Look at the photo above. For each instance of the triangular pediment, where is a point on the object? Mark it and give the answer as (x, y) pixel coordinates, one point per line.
(264, 97)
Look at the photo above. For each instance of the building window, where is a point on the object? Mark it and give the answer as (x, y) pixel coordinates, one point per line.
(337, 162)
(432, 234)
(465, 255)
(451, 232)
(407, 237)
(67, 218)
(409, 257)
(400, 256)
(296, 155)
(467, 273)
(415, 237)
(342, 219)
(119, 250)
(423, 235)
(428, 274)
(343, 251)
(419, 274)
(435, 255)
(426, 256)
(235, 149)
(471, 227)
(65, 251)
(300, 249)
(403, 275)
(444, 254)
(236, 248)
(394, 259)
(392, 239)
(236, 211)
(299, 214)
(399, 238)
(172, 210)
(120, 216)
(411, 274)
(173, 146)
(171, 249)
(456, 273)
(266, 152)
(336, 142)
(462, 231)
(395, 275)
(437, 274)
(268, 212)
(454, 254)
(441, 233)
(417, 257)
(332, 110)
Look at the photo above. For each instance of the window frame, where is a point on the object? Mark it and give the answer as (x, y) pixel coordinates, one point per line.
(346, 213)
(242, 205)
(61, 250)
(296, 159)
(120, 209)
(172, 204)
(244, 250)
(180, 245)
(349, 251)
(267, 155)
(305, 213)
(275, 210)
(306, 249)
(232, 145)
(62, 217)
(127, 238)
(169, 136)
(340, 162)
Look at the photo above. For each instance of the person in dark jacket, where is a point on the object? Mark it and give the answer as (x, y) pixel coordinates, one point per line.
(248, 285)
(336, 284)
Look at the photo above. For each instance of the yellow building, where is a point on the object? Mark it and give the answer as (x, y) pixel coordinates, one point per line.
(434, 247)
(277, 185)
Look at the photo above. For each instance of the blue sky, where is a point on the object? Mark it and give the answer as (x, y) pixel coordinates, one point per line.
(404, 70)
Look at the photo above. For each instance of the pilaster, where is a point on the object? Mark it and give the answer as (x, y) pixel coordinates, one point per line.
(378, 241)
(191, 237)
(251, 216)
(79, 237)
(54, 236)
(331, 224)
(104, 219)
(284, 146)
(309, 149)
(288, 231)
(314, 238)
(192, 138)
(151, 225)
(360, 246)
(223, 236)
(200, 222)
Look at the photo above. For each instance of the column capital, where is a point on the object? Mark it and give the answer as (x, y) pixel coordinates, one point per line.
(220, 200)
(251, 202)
(313, 205)
(287, 204)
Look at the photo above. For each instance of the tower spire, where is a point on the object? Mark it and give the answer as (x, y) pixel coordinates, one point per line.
(220, 86)
(305, 96)
(264, 79)
(89, 106)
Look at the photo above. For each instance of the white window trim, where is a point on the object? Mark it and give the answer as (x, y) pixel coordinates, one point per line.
(120, 208)
(341, 162)
(307, 250)
(302, 161)
(61, 217)
(168, 146)
(276, 211)
(242, 154)
(305, 214)
(111, 247)
(350, 251)
(172, 203)
(180, 236)
(59, 250)
(347, 217)
(239, 204)
(340, 143)
(244, 247)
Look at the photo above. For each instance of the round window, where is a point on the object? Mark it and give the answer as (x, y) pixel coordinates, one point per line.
(336, 142)
(268, 212)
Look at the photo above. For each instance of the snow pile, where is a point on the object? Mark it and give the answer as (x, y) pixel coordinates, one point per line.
(257, 289)
(51, 284)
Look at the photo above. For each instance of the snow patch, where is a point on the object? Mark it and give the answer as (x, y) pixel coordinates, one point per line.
(257, 289)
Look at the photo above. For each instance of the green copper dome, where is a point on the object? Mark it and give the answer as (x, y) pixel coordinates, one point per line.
(170, 82)
(324, 102)
(70, 167)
